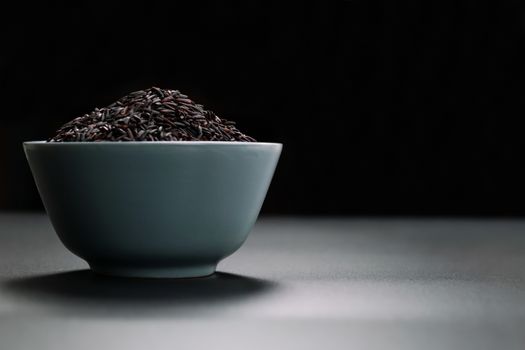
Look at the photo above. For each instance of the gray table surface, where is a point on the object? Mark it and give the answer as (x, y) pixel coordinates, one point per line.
(295, 284)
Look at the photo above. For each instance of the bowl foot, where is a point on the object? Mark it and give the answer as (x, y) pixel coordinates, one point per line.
(154, 272)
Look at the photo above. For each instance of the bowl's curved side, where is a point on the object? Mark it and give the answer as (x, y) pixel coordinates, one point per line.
(155, 208)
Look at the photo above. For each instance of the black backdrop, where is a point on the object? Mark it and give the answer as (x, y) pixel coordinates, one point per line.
(383, 107)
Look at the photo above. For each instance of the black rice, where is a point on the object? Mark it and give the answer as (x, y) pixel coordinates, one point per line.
(153, 114)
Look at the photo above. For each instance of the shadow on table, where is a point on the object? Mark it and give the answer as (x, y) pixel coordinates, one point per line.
(86, 289)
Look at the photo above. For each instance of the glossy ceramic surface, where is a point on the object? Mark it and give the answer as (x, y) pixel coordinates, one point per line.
(153, 209)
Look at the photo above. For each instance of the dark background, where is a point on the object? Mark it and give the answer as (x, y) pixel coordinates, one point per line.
(388, 107)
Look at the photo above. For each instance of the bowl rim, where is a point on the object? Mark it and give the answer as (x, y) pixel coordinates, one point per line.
(188, 143)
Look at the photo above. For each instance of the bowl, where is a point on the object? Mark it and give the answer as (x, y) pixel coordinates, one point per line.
(152, 209)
